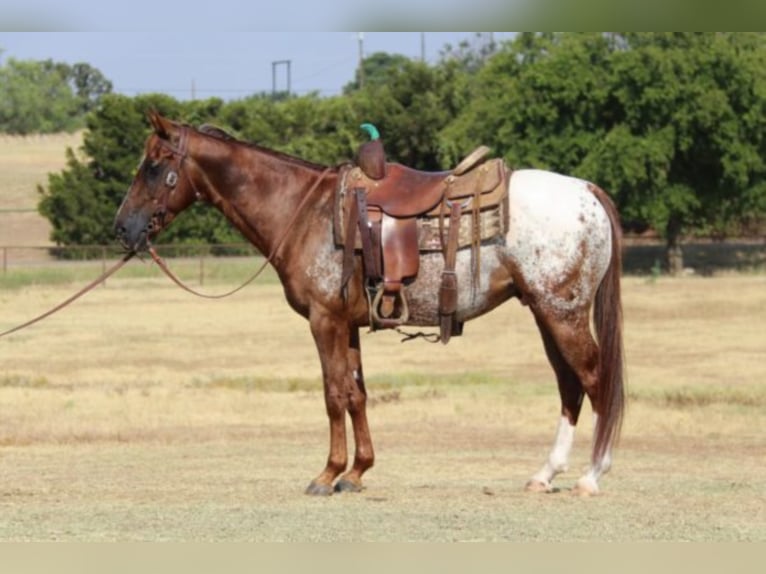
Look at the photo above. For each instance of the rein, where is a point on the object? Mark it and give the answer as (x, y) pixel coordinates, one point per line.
(174, 278)
(74, 297)
(162, 265)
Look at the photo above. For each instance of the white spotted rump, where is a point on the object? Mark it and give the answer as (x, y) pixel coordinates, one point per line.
(558, 230)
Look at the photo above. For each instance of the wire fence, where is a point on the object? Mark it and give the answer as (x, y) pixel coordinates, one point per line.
(204, 262)
(201, 263)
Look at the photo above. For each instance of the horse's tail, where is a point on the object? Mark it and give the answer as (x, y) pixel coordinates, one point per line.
(607, 317)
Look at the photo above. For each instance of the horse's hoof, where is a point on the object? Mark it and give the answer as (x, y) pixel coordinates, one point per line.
(584, 488)
(344, 485)
(538, 486)
(316, 489)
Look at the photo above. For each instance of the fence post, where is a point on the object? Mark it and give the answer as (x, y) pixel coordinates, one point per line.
(202, 266)
(103, 263)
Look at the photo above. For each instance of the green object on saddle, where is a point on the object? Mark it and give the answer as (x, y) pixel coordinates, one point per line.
(372, 130)
(371, 156)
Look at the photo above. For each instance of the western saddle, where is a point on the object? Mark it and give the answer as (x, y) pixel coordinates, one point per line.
(392, 220)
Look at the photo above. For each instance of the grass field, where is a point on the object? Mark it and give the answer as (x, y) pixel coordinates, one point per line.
(141, 413)
(24, 164)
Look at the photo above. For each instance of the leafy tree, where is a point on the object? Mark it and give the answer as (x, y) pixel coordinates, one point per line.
(309, 127)
(410, 109)
(671, 124)
(471, 55)
(687, 152)
(89, 86)
(376, 70)
(47, 96)
(81, 201)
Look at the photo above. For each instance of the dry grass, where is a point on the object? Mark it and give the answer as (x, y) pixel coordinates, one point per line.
(144, 414)
(24, 164)
(141, 413)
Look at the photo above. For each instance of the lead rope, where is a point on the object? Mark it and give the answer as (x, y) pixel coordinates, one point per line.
(174, 278)
(128, 256)
(77, 295)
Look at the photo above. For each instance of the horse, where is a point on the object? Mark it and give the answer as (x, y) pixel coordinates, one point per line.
(561, 257)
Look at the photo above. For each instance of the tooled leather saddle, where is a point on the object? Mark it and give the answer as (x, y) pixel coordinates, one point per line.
(392, 219)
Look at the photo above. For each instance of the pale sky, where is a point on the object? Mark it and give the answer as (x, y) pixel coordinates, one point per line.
(226, 64)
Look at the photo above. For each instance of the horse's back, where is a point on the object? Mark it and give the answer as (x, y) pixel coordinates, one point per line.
(559, 233)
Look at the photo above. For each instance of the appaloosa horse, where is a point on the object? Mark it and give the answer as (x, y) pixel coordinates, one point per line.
(561, 257)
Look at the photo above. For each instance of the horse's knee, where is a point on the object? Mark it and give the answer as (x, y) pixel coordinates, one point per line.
(336, 404)
(357, 402)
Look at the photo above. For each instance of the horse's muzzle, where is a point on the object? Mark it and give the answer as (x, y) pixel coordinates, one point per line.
(134, 231)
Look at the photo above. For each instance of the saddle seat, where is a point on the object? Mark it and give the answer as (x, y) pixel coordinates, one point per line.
(389, 216)
(408, 192)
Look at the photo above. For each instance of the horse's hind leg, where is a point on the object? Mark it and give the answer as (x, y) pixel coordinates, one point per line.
(574, 356)
(571, 392)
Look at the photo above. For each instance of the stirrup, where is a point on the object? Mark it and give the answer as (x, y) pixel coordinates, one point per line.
(389, 321)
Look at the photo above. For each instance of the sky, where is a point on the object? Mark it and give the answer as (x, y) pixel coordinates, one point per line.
(225, 64)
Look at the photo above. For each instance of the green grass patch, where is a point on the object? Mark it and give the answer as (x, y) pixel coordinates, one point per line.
(211, 270)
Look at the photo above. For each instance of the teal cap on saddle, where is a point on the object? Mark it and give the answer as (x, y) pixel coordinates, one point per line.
(372, 130)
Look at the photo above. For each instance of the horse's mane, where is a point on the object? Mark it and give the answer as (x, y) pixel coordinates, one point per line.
(223, 135)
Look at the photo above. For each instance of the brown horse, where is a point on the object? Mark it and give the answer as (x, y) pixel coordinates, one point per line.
(561, 257)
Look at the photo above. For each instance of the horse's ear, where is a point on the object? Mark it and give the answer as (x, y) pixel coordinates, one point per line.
(162, 126)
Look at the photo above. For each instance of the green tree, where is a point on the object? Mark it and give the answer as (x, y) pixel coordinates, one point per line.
(411, 108)
(671, 124)
(89, 86)
(686, 153)
(47, 96)
(376, 70)
(81, 201)
(310, 127)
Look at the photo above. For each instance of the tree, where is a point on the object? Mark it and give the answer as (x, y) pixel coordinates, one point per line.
(376, 70)
(411, 108)
(80, 202)
(687, 152)
(313, 128)
(670, 124)
(89, 86)
(47, 96)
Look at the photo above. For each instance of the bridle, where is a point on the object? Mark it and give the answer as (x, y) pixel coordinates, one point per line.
(179, 155)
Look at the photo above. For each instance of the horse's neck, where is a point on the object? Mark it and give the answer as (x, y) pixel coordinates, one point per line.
(263, 199)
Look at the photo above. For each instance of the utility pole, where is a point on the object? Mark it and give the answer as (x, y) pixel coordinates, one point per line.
(193, 90)
(274, 65)
(361, 60)
(423, 47)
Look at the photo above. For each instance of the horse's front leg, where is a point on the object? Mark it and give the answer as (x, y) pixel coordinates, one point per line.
(364, 456)
(338, 348)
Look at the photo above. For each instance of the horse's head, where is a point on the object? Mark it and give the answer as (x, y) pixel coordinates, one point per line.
(160, 189)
